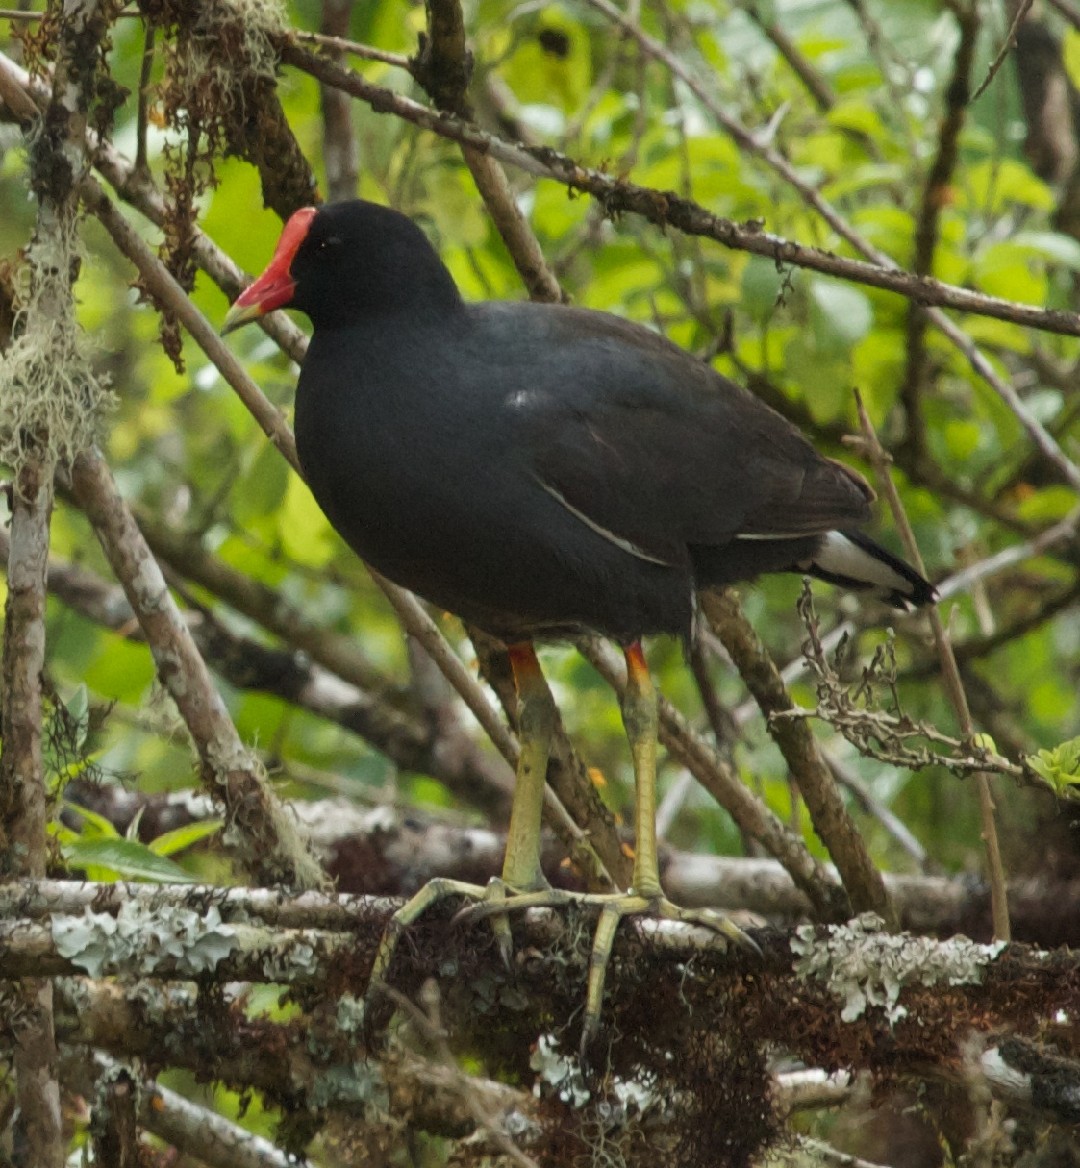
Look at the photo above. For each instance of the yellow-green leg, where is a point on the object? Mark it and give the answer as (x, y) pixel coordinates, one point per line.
(640, 711)
(521, 873)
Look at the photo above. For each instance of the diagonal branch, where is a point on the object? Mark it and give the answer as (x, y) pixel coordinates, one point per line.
(830, 818)
(272, 847)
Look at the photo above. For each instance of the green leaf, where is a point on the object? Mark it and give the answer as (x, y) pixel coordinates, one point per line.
(1051, 246)
(858, 114)
(93, 824)
(994, 185)
(78, 710)
(305, 531)
(1007, 270)
(1060, 767)
(841, 315)
(128, 859)
(171, 842)
(761, 284)
(1070, 52)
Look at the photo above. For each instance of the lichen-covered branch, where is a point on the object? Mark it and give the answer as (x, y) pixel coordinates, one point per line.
(270, 845)
(851, 997)
(50, 401)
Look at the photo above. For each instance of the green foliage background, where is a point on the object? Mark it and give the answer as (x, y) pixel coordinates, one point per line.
(189, 456)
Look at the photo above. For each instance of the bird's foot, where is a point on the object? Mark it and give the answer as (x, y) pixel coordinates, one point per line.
(502, 898)
(494, 900)
(613, 908)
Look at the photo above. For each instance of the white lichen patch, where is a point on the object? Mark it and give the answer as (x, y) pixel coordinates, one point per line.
(865, 967)
(51, 397)
(559, 1071)
(168, 939)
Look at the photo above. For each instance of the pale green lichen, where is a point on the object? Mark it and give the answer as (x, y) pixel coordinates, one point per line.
(51, 397)
(350, 1085)
(175, 940)
(865, 967)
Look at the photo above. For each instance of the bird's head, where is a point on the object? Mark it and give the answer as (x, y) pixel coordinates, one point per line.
(340, 262)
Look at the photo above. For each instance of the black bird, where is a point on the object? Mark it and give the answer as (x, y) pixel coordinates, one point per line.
(544, 471)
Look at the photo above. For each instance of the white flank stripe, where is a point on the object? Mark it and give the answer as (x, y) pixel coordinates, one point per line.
(610, 536)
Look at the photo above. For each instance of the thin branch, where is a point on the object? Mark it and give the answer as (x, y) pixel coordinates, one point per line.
(443, 67)
(1064, 531)
(273, 848)
(339, 44)
(819, 89)
(954, 686)
(668, 210)
(1069, 10)
(1007, 45)
(340, 155)
(862, 881)
(928, 221)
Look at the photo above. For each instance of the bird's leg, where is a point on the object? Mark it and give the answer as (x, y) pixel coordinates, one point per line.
(536, 724)
(640, 711)
(521, 872)
(641, 718)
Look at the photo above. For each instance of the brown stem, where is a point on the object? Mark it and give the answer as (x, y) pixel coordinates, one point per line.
(954, 686)
(339, 141)
(828, 814)
(274, 850)
(927, 225)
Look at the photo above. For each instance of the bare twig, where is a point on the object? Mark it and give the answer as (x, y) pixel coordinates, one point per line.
(934, 197)
(951, 675)
(339, 44)
(1069, 9)
(1063, 531)
(339, 141)
(1007, 45)
(830, 818)
(442, 67)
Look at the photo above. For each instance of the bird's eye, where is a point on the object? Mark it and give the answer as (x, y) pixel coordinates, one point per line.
(329, 242)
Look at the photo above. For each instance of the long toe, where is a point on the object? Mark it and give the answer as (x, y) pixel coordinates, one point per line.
(708, 918)
(411, 911)
(612, 910)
